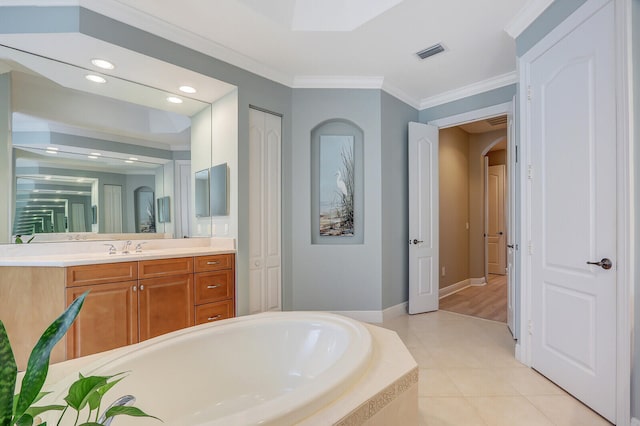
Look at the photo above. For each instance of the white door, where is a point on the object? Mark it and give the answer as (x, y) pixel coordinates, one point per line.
(423, 218)
(112, 209)
(511, 224)
(573, 212)
(496, 244)
(265, 252)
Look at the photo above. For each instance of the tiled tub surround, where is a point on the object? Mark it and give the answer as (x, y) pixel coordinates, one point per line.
(383, 391)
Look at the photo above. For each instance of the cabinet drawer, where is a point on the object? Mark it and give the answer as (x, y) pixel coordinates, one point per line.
(102, 273)
(214, 262)
(165, 267)
(214, 311)
(214, 286)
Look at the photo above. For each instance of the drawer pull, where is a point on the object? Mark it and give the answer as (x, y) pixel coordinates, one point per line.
(214, 318)
(215, 262)
(211, 287)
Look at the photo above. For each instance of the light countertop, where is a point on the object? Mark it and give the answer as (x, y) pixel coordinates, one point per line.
(89, 253)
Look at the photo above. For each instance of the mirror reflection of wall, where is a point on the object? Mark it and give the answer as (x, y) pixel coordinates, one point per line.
(202, 193)
(119, 135)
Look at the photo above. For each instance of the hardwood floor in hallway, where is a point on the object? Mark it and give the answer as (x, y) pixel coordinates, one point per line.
(488, 301)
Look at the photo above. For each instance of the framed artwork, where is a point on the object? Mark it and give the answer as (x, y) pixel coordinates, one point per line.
(336, 185)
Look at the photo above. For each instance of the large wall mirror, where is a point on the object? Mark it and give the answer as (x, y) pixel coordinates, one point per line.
(92, 159)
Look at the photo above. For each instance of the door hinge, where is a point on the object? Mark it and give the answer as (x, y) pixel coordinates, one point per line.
(529, 172)
(530, 328)
(530, 247)
(529, 93)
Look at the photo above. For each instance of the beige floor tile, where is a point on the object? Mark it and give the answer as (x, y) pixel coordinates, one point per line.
(509, 411)
(480, 382)
(450, 411)
(564, 410)
(529, 382)
(433, 382)
(495, 356)
(455, 357)
(422, 357)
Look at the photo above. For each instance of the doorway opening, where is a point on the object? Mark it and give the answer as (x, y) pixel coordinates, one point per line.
(473, 201)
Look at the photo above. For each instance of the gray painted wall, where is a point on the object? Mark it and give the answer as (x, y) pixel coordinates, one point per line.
(335, 277)
(252, 90)
(470, 103)
(6, 158)
(635, 373)
(395, 199)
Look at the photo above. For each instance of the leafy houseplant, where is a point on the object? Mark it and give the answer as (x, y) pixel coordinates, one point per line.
(86, 392)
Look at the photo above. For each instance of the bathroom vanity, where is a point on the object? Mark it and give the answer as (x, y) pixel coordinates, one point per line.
(132, 297)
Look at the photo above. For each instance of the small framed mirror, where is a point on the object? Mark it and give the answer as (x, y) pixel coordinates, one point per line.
(218, 190)
(202, 193)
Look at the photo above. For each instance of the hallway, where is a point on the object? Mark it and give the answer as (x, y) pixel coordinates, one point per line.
(488, 301)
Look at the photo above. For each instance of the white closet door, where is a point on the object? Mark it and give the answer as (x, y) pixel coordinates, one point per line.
(112, 209)
(77, 218)
(265, 246)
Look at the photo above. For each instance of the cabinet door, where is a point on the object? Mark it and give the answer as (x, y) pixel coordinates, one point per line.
(108, 318)
(165, 305)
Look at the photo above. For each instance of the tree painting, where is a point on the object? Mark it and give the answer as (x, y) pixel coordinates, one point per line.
(336, 185)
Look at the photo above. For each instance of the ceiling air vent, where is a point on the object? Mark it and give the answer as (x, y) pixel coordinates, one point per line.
(496, 121)
(430, 51)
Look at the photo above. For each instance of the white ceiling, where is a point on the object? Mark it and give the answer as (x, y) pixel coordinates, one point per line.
(268, 37)
(313, 43)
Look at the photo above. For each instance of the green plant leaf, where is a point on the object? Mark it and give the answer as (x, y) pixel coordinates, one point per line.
(90, 424)
(128, 411)
(24, 420)
(38, 364)
(8, 373)
(35, 411)
(96, 397)
(82, 389)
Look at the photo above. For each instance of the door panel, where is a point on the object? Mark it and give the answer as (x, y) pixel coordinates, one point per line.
(165, 305)
(573, 217)
(496, 245)
(265, 246)
(423, 218)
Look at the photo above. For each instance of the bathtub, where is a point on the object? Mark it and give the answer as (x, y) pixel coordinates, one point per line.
(264, 369)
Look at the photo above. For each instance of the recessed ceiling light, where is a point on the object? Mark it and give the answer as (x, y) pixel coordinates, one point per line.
(128, 161)
(133, 159)
(49, 151)
(80, 180)
(104, 64)
(47, 178)
(97, 154)
(58, 192)
(36, 190)
(187, 89)
(174, 100)
(52, 148)
(93, 157)
(95, 78)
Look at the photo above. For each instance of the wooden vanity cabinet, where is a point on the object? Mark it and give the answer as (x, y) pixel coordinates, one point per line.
(214, 288)
(128, 302)
(116, 314)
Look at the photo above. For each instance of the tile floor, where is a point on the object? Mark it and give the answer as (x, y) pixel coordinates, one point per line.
(469, 376)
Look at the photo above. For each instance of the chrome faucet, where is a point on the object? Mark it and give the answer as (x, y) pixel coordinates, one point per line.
(124, 401)
(139, 247)
(112, 248)
(125, 248)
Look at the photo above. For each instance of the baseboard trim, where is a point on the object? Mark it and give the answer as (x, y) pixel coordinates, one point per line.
(635, 421)
(395, 311)
(460, 285)
(374, 317)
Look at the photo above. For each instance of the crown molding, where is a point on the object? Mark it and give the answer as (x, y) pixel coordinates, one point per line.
(120, 11)
(470, 90)
(400, 94)
(337, 82)
(529, 12)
